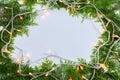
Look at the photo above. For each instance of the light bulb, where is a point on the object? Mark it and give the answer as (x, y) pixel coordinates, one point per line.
(21, 1)
(18, 71)
(21, 18)
(27, 55)
(81, 67)
(46, 74)
(30, 74)
(6, 50)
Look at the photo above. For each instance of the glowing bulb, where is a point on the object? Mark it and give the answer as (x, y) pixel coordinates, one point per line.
(30, 74)
(83, 77)
(78, 6)
(21, 1)
(6, 7)
(103, 66)
(70, 78)
(21, 18)
(60, 1)
(10, 33)
(102, 31)
(27, 55)
(18, 71)
(46, 74)
(53, 69)
(95, 45)
(81, 67)
(6, 50)
(115, 36)
(99, 39)
(19, 60)
(19, 30)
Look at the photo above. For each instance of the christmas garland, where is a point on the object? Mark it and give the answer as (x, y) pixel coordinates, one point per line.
(17, 15)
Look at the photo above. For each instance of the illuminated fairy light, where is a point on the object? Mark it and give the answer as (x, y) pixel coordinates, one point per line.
(27, 55)
(18, 71)
(95, 45)
(46, 74)
(19, 30)
(70, 78)
(103, 66)
(21, 1)
(81, 67)
(83, 77)
(115, 36)
(6, 50)
(19, 60)
(30, 74)
(61, 1)
(99, 39)
(21, 18)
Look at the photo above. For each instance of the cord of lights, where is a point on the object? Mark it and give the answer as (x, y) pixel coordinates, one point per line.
(71, 6)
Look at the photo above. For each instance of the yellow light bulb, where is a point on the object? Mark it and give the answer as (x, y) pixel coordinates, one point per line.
(21, 18)
(115, 36)
(10, 33)
(19, 30)
(27, 55)
(83, 77)
(46, 74)
(21, 1)
(99, 39)
(18, 71)
(53, 69)
(78, 6)
(30, 74)
(103, 66)
(70, 78)
(60, 1)
(95, 45)
(6, 50)
(19, 60)
(81, 67)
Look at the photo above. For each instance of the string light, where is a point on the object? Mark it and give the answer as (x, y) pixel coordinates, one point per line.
(72, 10)
(81, 67)
(19, 30)
(83, 77)
(30, 74)
(95, 45)
(46, 74)
(6, 50)
(27, 55)
(100, 39)
(103, 66)
(21, 18)
(60, 1)
(115, 36)
(21, 1)
(10, 33)
(18, 71)
(70, 78)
